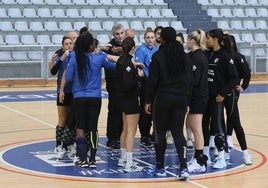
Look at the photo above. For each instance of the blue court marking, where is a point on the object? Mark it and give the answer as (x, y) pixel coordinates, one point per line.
(39, 157)
(257, 88)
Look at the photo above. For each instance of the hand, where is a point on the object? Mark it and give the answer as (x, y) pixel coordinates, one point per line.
(61, 96)
(117, 49)
(64, 55)
(140, 72)
(138, 64)
(54, 56)
(239, 88)
(147, 108)
(106, 47)
(219, 98)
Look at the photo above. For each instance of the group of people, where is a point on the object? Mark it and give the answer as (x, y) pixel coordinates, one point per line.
(158, 84)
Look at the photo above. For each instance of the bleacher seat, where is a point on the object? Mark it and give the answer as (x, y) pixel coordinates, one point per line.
(226, 12)
(238, 12)
(114, 13)
(57, 39)
(28, 39)
(58, 13)
(8, 2)
(237, 37)
(21, 26)
(159, 2)
(65, 26)
(263, 2)
(229, 2)
(124, 23)
(36, 26)
(103, 38)
(72, 13)
(80, 2)
(260, 37)
(261, 24)
(94, 2)
(216, 2)
(262, 12)
(2, 42)
(128, 13)
(51, 26)
(107, 25)
(5, 56)
(250, 12)
(133, 2)
(249, 24)
(23, 2)
(35, 55)
(43, 40)
(224, 25)
(203, 2)
(66, 2)
(213, 12)
(167, 13)
(44, 12)
(14, 13)
(94, 26)
(154, 13)
(52, 2)
(100, 13)
(29, 13)
(237, 24)
(178, 26)
(253, 2)
(79, 25)
(163, 23)
(141, 13)
(20, 56)
(119, 2)
(86, 13)
(241, 2)
(149, 24)
(37, 2)
(3, 13)
(146, 2)
(136, 25)
(106, 2)
(247, 37)
(141, 38)
(12, 40)
(260, 52)
(6, 26)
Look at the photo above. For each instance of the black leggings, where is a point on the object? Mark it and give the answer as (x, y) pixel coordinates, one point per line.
(169, 113)
(233, 119)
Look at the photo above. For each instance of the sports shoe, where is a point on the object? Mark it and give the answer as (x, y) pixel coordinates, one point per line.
(157, 172)
(189, 143)
(145, 142)
(220, 163)
(71, 151)
(227, 155)
(194, 167)
(183, 174)
(80, 163)
(121, 162)
(230, 142)
(60, 152)
(169, 137)
(92, 164)
(247, 159)
(132, 168)
(212, 142)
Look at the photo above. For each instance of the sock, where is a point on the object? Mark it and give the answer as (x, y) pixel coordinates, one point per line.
(123, 153)
(206, 152)
(129, 158)
(59, 133)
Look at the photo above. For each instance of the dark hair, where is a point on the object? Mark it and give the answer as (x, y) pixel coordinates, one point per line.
(227, 43)
(65, 38)
(83, 44)
(180, 35)
(84, 31)
(234, 42)
(216, 33)
(173, 51)
(127, 44)
(158, 28)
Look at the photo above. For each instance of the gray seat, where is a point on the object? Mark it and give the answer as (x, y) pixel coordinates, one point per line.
(3, 13)
(226, 12)
(213, 12)
(36, 26)
(241, 2)
(12, 40)
(52, 2)
(86, 13)
(5, 56)
(141, 13)
(58, 13)
(124, 23)
(66, 2)
(43, 40)
(263, 2)
(177, 25)
(128, 13)
(79, 25)
(107, 25)
(29, 13)
(119, 2)
(114, 13)
(250, 12)
(28, 39)
(37, 2)
(216, 2)
(23, 2)
(224, 25)
(106, 2)
(260, 37)
(236, 24)
(72, 13)
(103, 38)
(249, 24)
(80, 2)
(100, 13)
(14, 13)
(155, 13)
(57, 39)
(261, 24)
(168, 13)
(51, 26)
(94, 26)
(163, 23)
(21, 26)
(136, 25)
(262, 12)
(44, 12)
(146, 2)
(6, 26)
(159, 2)
(149, 23)
(65, 26)
(2, 42)
(247, 37)
(239, 12)
(20, 56)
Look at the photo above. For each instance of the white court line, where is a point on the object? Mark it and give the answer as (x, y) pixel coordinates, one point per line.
(25, 115)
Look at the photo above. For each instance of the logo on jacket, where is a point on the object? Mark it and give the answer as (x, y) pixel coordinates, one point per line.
(128, 69)
(194, 67)
(216, 60)
(231, 61)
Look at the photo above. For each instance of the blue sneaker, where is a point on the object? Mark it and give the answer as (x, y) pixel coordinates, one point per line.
(157, 172)
(183, 174)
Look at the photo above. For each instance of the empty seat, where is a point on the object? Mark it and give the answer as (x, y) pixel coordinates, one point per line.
(213, 12)
(12, 40)
(37, 2)
(249, 24)
(103, 38)
(44, 13)
(79, 25)
(6, 26)
(106, 2)
(168, 13)
(247, 37)
(236, 24)
(21, 26)
(224, 25)
(238, 12)
(66, 2)
(72, 13)
(43, 40)
(14, 13)
(57, 39)
(253, 2)
(29, 13)
(35, 55)
(3, 13)
(128, 13)
(141, 13)
(58, 13)
(141, 38)
(159, 2)
(100, 13)
(133, 2)
(52, 2)
(94, 26)
(203, 2)
(229, 2)
(240, 2)
(216, 2)
(154, 13)
(260, 52)
(51, 26)
(226, 12)
(261, 24)
(263, 2)
(163, 23)
(80, 2)
(36, 26)
(94, 2)
(250, 12)
(146, 2)
(119, 2)
(5, 56)
(263, 12)
(177, 25)
(2, 42)
(136, 25)
(237, 38)
(124, 23)
(65, 26)
(8, 1)
(149, 24)
(260, 37)
(28, 40)
(86, 13)
(23, 2)
(107, 25)
(114, 13)
(20, 56)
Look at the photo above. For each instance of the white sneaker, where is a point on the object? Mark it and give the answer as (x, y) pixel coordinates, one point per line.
(227, 155)
(216, 152)
(247, 159)
(189, 143)
(212, 142)
(71, 151)
(206, 152)
(220, 163)
(169, 137)
(60, 152)
(133, 168)
(230, 142)
(121, 162)
(194, 167)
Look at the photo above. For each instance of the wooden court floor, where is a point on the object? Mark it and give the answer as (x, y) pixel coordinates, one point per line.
(24, 121)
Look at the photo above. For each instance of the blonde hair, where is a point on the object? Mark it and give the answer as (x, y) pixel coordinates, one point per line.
(199, 37)
(148, 30)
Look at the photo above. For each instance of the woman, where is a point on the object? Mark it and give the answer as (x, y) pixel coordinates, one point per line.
(222, 78)
(196, 43)
(167, 91)
(127, 81)
(84, 70)
(58, 64)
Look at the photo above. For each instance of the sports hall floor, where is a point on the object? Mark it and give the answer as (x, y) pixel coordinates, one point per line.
(33, 121)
